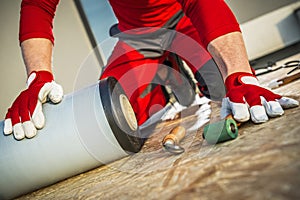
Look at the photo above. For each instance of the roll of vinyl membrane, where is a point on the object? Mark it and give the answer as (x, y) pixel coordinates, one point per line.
(89, 128)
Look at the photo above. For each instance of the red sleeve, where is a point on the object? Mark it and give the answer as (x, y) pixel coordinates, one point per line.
(36, 20)
(212, 18)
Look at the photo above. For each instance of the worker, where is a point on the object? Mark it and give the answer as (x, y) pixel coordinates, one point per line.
(202, 28)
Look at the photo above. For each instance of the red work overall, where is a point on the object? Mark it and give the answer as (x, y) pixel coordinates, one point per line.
(203, 21)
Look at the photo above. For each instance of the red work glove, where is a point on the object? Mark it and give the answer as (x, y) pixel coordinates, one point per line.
(245, 99)
(25, 115)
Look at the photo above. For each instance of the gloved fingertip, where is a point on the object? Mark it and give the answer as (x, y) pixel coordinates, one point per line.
(55, 98)
(38, 119)
(273, 108)
(241, 117)
(56, 94)
(258, 114)
(240, 111)
(7, 127)
(44, 91)
(287, 102)
(29, 129)
(18, 131)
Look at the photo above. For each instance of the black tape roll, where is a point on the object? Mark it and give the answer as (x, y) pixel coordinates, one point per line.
(120, 115)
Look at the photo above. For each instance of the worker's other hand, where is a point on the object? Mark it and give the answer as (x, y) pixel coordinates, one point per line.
(25, 115)
(245, 99)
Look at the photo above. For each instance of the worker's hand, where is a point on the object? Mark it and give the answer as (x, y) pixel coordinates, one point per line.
(245, 99)
(25, 115)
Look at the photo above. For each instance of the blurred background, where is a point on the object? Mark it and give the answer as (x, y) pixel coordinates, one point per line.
(271, 31)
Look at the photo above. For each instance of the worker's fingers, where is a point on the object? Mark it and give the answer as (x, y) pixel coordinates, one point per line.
(38, 117)
(20, 129)
(8, 128)
(56, 93)
(244, 91)
(19, 133)
(239, 111)
(51, 90)
(258, 114)
(29, 129)
(286, 102)
(44, 91)
(273, 108)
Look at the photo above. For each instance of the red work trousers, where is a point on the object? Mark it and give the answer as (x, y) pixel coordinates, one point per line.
(135, 72)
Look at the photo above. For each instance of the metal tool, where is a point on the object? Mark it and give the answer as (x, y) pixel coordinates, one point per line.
(271, 67)
(224, 130)
(172, 140)
(283, 81)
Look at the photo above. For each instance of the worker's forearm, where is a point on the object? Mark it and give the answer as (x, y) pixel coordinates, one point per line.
(230, 54)
(37, 54)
